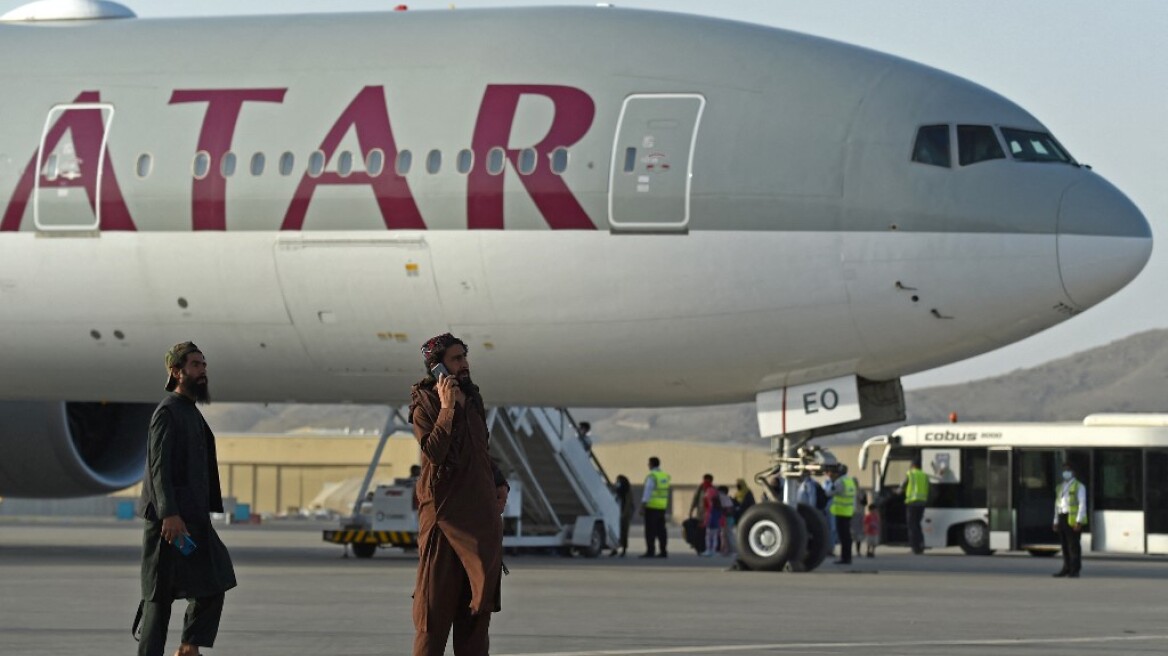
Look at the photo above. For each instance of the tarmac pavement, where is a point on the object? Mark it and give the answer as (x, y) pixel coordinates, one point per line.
(72, 588)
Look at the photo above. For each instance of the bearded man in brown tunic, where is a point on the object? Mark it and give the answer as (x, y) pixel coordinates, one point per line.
(461, 494)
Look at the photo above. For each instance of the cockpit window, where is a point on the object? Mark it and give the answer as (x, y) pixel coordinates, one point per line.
(1030, 146)
(932, 146)
(977, 143)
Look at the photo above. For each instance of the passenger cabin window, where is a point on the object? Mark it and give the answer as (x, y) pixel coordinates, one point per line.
(405, 159)
(145, 165)
(257, 164)
(1030, 146)
(316, 164)
(977, 143)
(287, 163)
(202, 164)
(375, 162)
(227, 166)
(434, 161)
(527, 160)
(559, 160)
(345, 164)
(495, 160)
(465, 161)
(931, 147)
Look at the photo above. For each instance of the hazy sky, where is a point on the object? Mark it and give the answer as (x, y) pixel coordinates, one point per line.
(1089, 69)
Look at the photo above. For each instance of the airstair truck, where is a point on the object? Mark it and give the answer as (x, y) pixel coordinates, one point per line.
(560, 497)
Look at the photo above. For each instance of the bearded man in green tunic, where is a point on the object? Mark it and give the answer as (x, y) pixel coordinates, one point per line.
(180, 490)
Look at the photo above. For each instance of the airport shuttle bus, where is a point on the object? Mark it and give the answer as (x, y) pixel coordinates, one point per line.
(993, 486)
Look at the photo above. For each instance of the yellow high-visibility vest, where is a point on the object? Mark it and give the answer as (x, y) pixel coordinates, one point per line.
(843, 503)
(659, 499)
(916, 487)
(1072, 502)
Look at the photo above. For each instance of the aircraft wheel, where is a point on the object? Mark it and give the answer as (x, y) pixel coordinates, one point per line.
(818, 535)
(364, 549)
(975, 539)
(770, 535)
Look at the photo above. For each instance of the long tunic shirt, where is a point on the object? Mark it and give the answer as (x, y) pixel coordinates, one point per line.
(182, 478)
(457, 490)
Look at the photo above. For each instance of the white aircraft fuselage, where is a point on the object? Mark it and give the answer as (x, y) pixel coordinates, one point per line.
(612, 207)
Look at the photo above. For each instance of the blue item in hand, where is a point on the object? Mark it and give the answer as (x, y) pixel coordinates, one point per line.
(184, 544)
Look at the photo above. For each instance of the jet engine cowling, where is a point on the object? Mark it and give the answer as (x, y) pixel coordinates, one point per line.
(55, 449)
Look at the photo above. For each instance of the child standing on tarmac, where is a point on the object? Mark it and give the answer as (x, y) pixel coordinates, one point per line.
(714, 517)
(871, 530)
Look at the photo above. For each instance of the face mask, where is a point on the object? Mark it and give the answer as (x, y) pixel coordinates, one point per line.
(1067, 475)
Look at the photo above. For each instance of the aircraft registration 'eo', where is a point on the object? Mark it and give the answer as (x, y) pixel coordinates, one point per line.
(612, 207)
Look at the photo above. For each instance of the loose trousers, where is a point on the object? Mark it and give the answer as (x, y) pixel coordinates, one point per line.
(200, 624)
(1072, 546)
(914, 515)
(443, 601)
(843, 526)
(655, 531)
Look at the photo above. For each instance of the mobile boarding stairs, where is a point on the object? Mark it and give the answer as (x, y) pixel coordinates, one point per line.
(561, 497)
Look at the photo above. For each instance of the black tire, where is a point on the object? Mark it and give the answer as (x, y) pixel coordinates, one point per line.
(596, 542)
(364, 549)
(1042, 553)
(770, 535)
(818, 535)
(974, 539)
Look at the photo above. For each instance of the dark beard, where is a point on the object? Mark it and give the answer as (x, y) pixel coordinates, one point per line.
(200, 391)
(469, 388)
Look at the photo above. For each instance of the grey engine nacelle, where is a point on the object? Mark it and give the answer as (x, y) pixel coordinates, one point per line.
(65, 449)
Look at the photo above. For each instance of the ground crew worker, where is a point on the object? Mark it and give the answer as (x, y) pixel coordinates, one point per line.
(842, 507)
(916, 496)
(461, 496)
(654, 503)
(1070, 516)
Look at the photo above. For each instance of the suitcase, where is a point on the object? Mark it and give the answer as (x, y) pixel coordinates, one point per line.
(695, 534)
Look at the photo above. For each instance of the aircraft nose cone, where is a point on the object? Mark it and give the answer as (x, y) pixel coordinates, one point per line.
(1104, 241)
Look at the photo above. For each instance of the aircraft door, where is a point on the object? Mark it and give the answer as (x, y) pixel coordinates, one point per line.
(71, 162)
(652, 162)
(998, 494)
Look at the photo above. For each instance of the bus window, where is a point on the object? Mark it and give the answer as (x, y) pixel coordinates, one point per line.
(1118, 482)
(965, 486)
(898, 464)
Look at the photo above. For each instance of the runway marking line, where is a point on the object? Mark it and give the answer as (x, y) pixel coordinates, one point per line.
(713, 649)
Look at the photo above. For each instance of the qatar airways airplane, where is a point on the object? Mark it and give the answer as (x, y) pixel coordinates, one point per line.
(612, 207)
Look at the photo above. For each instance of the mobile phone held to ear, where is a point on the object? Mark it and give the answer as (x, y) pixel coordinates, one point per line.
(184, 544)
(439, 370)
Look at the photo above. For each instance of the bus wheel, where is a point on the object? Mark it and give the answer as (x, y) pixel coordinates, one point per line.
(818, 535)
(364, 549)
(770, 535)
(975, 539)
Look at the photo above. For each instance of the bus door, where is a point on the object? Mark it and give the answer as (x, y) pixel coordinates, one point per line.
(1037, 475)
(998, 498)
(893, 524)
(1117, 501)
(1156, 501)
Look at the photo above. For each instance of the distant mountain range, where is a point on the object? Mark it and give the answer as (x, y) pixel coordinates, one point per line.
(1128, 375)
